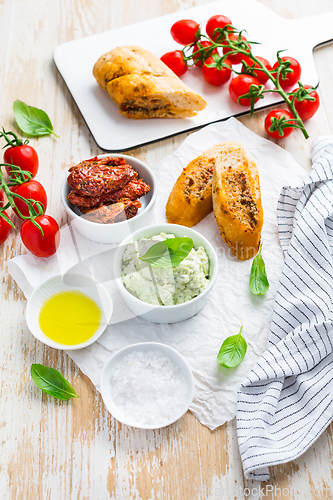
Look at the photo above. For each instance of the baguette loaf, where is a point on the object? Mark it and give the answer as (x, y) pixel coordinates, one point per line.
(191, 197)
(143, 86)
(237, 200)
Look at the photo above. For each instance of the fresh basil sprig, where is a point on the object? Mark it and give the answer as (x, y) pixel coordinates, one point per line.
(52, 382)
(32, 121)
(232, 351)
(168, 253)
(258, 278)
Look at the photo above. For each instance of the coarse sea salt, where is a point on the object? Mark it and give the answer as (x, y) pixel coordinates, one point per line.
(148, 388)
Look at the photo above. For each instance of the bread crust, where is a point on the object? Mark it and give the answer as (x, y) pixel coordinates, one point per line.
(128, 60)
(191, 197)
(237, 200)
(143, 86)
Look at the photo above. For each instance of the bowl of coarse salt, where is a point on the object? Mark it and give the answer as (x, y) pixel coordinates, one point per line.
(147, 385)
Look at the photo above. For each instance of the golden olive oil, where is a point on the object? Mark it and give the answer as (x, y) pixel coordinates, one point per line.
(70, 318)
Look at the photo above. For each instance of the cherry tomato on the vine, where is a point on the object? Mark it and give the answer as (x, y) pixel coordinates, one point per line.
(23, 156)
(259, 75)
(184, 31)
(200, 58)
(1, 199)
(235, 58)
(4, 229)
(32, 189)
(175, 61)
(38, 244)
(305, 108)
(239, 86)
(215, 22)
(215, 76)
(276, 119)
(292, 77)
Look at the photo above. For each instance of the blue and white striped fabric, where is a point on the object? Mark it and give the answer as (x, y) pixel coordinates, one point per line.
(287, 400)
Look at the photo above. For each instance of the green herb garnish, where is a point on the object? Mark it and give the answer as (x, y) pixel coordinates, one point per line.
(52, 382)
(232, 351)
(32, 121)
(258, 278)
(168, 253)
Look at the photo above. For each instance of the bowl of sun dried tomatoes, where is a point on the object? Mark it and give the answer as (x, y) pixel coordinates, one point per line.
(108, 197)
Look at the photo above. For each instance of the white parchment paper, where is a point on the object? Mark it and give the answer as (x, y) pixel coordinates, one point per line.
(231, 303)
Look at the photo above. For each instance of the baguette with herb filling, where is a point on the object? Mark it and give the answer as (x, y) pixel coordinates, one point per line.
(191, 197)
(237, 200)
(143, 86)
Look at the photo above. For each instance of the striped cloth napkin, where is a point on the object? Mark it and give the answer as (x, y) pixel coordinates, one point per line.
(287, 400)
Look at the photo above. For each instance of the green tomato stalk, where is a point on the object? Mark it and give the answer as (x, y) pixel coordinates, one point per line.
(15, 141)
(19, 176)
(243, 47)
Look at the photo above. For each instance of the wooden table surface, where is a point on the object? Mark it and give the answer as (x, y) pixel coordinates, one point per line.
(58, 450)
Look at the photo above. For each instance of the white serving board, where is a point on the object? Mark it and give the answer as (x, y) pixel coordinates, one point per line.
(115, 133)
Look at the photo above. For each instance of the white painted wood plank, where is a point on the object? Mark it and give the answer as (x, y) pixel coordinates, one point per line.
(75, 450)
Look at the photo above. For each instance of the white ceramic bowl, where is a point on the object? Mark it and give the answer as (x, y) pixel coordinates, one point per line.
(174, 313)
(113, 233)
(78, 282)
(106, 385)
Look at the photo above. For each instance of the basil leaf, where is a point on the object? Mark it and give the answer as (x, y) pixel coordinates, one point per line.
(232, 351)
(168, 253)
(32, 121)
(52, 382)
(258, 278)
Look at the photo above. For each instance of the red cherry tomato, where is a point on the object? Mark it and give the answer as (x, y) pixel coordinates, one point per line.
(239, 86)
(237, 57)
(291, 78)
(200, 58)
(32, 189)
(4, 229)
(278, 116)
(35, 242)
(23, 156)
(1, 199)
(215, 76)
(184, 31)
(216, 22)
(259, 75)
(306, 109)
(175, 61)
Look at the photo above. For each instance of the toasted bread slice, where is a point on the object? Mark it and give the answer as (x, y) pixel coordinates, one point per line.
(237, 200)
(143, 86)
(191, 197)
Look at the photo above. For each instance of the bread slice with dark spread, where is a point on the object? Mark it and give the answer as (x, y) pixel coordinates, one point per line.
(143, 86)
(237, 200)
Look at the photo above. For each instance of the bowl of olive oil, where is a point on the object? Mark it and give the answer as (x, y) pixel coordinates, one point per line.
(69, 315)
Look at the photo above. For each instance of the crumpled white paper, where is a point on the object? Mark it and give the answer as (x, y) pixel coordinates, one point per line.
(231, 302)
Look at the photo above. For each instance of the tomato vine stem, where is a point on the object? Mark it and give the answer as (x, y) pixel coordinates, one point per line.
(35, 207)
(243, 47)
(12, 142)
